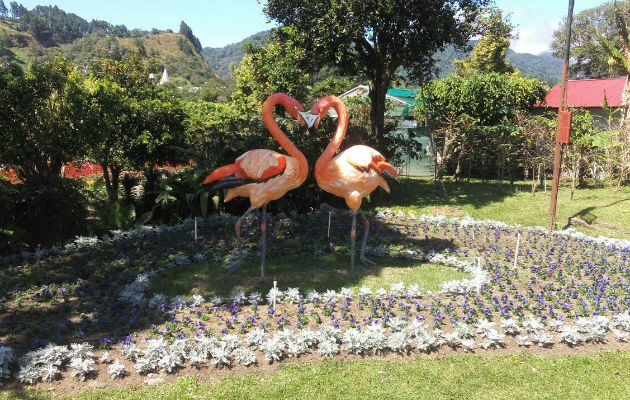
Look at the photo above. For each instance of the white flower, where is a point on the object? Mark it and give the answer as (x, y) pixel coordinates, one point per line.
(256, 338)
(308, 337)
(353, 341)
(493, 339)
(329, 296)
(204, 345)
(346, 293)
(463, 330)
(397, 289)
(117, 369)
(365, 291)
(484, 326)
(556, 325)
(570, 335)
(105, 358)
(244, 356)
(81, 350)
(468, 344)
(381, 293)
(523, 340)
(620, 335)
(293, 295)
(510, 326)
(622, 321)
(533, 324)
(313, 297)
(130, 351)
(178, 302)
(414, 291)
(231, 341)
(273, 349)
(542, 338)
(398, 342)
(255, 297)
(328, 348)
(375, 339)
(196, 300)
(220, 355)
(82, 367)
(397, 324)
(276, 294)
(216, 300)
(426, 342)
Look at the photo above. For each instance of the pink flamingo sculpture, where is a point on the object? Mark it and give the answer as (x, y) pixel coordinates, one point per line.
(352, 174)
(263, 175)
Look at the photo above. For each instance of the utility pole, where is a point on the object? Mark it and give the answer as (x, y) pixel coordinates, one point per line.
(564, 123)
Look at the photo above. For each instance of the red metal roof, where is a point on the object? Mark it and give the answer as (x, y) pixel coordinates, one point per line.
(587, 93)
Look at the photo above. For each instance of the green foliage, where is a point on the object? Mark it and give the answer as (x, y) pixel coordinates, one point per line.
(477, 112)
(122, 215)
(182, 196)
(375, 38)
(488, 54)
(37, 132)
(220, 59)
(44, 212)
(591, 29)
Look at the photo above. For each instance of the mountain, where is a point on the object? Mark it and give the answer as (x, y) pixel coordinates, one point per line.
(544, 66)
(220, 58)
(159, 49)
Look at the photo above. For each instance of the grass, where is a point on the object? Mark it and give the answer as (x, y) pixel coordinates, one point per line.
(310, 273)
(523, 376)
(606, 209)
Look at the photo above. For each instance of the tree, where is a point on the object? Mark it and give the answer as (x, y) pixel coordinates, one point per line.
(488, 55)
(588, 30)
(38, 134)
(4, 11)
(17, 10)
(376, 37)
(185, 30)
(477, 112)
(129, 122)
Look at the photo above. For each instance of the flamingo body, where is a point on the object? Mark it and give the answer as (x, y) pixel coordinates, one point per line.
(353, 174)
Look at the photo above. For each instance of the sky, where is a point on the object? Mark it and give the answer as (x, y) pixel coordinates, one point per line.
(220, 22)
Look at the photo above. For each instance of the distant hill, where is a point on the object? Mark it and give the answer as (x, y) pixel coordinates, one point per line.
(544, 66)
(220, 58)
(160, 49)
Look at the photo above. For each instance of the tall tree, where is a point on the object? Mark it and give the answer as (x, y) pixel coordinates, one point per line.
(185, 30)
(17, 10)
(376, 37)
(3, 9)
(589, 55)
(488, 54)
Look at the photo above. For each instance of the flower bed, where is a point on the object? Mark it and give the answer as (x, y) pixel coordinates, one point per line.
(561, 291)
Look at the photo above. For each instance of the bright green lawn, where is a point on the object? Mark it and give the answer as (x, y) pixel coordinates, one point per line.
(606, 207)
(603, 376)
(309, 272)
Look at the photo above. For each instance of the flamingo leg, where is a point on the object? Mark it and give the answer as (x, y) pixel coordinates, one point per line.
(366, 229)
(353, 237)
(233, 266)
(263, 240)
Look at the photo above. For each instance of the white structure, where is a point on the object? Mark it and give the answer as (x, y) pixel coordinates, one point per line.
(165, 78)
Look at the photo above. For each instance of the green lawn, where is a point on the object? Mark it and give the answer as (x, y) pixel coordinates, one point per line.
(525, 376)
(607, 208)
(311, 273)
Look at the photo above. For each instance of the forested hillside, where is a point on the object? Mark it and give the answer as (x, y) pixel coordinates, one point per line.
(45, 32)
(220, 58)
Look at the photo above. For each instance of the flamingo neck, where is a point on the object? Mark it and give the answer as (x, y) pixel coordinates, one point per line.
(276, 132)
(340, 133)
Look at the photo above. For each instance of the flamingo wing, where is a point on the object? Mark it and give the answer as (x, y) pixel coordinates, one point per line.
(365, 158)
(252, 167)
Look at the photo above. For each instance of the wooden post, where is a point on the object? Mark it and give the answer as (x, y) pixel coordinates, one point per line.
(518, 244)
(557, 159)
(195, 229)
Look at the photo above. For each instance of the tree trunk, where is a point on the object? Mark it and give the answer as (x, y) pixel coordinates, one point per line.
(378, 91)
(111, 175)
